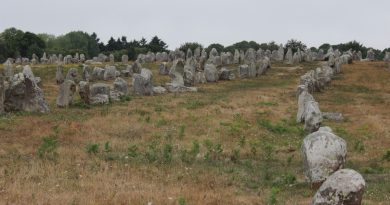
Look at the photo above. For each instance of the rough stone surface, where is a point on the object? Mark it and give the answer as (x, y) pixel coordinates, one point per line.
(98, 73)
(163, 69)
(159, 90)
(2, 93)
(8, 70)
(313, 117)
(264, 65)
(323, 154)
(211, 73)
(59, 74)
(177, 72)
(84, 92)
(243, 71)
(66, 93)
(110, 73)
(100, 93)
(23, 94)
(344, 187)
(121, 87)
(72, 74)
(335, 116)
(142, 83)
(175, 88)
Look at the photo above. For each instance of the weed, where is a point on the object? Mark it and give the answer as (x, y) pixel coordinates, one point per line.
(92, 148)
(386, 156)
(194, 104)
(167, 153)
(359, 146)
(151, 153)
(182, 201)
(125, 98)
(278, 128)
(107, 147)
(132, 151)
(242, 141)
(48, 148)
(161, 122)
(235, 155)
(272, 198)
(182, 129)
(147, 119)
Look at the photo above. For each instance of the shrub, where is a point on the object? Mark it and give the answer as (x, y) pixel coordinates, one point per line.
(386, 156)
(132, 151)
(167, 153)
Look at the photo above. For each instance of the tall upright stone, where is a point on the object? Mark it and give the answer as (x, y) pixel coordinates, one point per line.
(66, 93)
(59, 74)
(2, 93)
(125, 59)
(112, 59)
(8, 70)
(280, 53)
(289, 56)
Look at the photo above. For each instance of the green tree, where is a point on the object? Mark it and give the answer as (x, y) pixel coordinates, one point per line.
(190, 45)
(157, 45)
(217, 46)
(12, 38)
(30, 44)
(294, 45)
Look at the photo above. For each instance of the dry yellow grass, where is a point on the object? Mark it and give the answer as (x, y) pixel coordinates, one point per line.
(245, 115)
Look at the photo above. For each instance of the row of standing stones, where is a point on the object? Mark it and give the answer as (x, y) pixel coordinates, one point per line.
(324, 153)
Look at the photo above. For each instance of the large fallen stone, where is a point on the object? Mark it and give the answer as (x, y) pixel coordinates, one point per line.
(344, 187)
(175, 88)
(323, 154)
(23, 94)
(335, 116)
(142, 83)
(66, 93)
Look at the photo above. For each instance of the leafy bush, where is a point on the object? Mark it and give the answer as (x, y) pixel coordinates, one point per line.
(92, 148)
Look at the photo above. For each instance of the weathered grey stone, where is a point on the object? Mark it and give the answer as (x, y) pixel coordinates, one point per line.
(323, 154)
(325, 129)
(110, 73)
(142, 83)
(27, 72)
(175, 88)
(320, 55)
(72, 74)
(224, 74)
(313, 117)
(100, 93)
(344, 187)
(23, 94)
(280, 56)
(333, 116)
(264, 65)
(200, 78)
(159, 90)
(59, 74)
(65, 94)
(370, 55)
(289, 56)
(177, 72)
(112, 59)
(296, 58)
(2, 93)
(8, 70)
(82, 58)
(211, 73)
(303, 98)
(98, 73)
(163, 69)
(84, 92)
(252, 71)
(85, 74)
(197, 53)
(189, 76)
(125, 59)
(213, 53)
(250, 56)
(243, 71)
(236, 56)
(137, 67)
(121, 87)
(189, 53)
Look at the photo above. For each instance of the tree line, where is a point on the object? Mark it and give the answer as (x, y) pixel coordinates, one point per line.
(16, 43)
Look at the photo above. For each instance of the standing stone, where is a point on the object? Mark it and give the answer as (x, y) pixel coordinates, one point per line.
(236, 58)
(66, 92)
(142, 83)
(177, 72)
(226, 74)
(23, 94)
(84, 92)
(200, 78)
(2, 94)
(264, 65)
(163, 69)
(189, 53)
(125, 59)
(137, 67)
(323, 154)
(59, 74)
(296, 58)
(82, 58)
(252, 71)
(320, 55)
(260, 54)
(112, 59)
(121, 87)
(197, 53)
(344, 187)
(85, 74)
(370, 55)
(313, 117)
(289, 56)
(360, 55)
(250, 56)
(280, 53)
(72, 74)
(243, 71)
(8, 70)
(211, 73)
(213, 53)
(100, 93)
(98, 73)
(110, 73)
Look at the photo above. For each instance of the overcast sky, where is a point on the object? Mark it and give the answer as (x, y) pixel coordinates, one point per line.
(207, 21)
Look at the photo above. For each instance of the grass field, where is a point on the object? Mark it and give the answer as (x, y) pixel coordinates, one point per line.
(232, 142)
